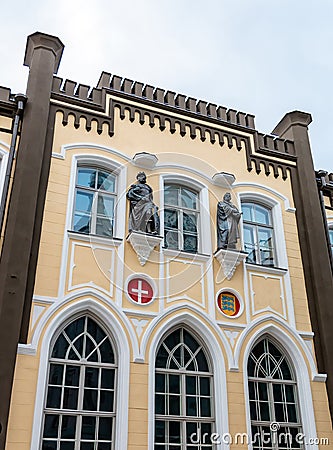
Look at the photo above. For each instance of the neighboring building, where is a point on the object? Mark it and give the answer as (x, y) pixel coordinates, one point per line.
(155, 341)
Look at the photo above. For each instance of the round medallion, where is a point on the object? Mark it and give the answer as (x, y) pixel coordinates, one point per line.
(140, 291)
(228, 303)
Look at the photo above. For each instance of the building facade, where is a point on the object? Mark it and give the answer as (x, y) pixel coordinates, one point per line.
(159, 331)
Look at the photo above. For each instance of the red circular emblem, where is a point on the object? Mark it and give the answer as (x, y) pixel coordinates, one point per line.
(140, 291)
(228, 303)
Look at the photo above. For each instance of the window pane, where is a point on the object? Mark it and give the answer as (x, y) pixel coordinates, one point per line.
(60, 347)
(191, 385)
(67, 445)
(170, 219)
(262, 215)
(81, 223)
(72, 375)
(104, 227)
(249, 235)
(159, 382)
(51, 424)
(90, 400)
(49, 445)
(159, 404)
(191, 406)
(174, 432)
(190, 222)
(174, 384)
(171, 239)
(68, 427)
(83, 201)
(171, 195)
(105, 205)
(88, 427)
(106, 181)
(107, 378)
(56, 373)
(70, 398)
(190, 243)
(106, 401)
(189, 198)
(159, 431)
(205, 407)
(91, 377)
(53, 397)
(106, 350)
(105, 428)
(265, 237)
(86, 177)
(174, 405)
(247, 212)
(204, 386)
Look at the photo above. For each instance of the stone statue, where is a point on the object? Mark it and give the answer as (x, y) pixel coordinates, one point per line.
(227, 223)
(143, 214)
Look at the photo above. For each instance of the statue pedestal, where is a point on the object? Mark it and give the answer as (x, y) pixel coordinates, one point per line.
(229, 260)
(143, 244)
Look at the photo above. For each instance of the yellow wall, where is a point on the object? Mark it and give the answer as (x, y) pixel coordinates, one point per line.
(69, 267)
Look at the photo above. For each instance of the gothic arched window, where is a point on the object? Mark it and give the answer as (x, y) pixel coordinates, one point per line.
(80, 410)
(184, 410)
(274, 409)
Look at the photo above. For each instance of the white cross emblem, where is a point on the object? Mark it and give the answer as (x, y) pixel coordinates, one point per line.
(139, 291)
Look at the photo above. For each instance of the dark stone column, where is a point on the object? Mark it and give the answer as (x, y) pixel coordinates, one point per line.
(22, 231)
(313, 242)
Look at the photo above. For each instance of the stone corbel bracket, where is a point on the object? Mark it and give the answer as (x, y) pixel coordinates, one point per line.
(223, 179)
(143, 244)
(229, 260)
(145, 160)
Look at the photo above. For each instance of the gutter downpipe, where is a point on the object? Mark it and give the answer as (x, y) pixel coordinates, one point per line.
(20, 100)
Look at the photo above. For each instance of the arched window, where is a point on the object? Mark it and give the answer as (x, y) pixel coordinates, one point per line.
(181, 218)
(258, 234)
(183, 394)
(95, 200)
(79, 412)
(274, 409)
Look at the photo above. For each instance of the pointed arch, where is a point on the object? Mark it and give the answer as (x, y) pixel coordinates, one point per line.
(213, 350)
(101, 315)
(294, 355)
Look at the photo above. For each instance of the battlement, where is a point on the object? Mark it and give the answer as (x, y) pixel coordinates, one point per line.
(172, 99)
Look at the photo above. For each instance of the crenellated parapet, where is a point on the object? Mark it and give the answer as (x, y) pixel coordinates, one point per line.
(171, 112)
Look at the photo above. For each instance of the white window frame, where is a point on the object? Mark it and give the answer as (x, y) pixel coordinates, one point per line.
(291, 350)
(197, 326)
(92, 160)
(79, 413)
(280, 250)
(95, 192)
(204, 222)
(182, 373)
(272, 381)
(101, 314)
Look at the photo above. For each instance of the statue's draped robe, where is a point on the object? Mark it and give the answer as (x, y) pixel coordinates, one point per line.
(227, 225)
(142, 209)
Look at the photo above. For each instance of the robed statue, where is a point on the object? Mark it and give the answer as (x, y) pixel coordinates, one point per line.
(143, 214)
(227, 220)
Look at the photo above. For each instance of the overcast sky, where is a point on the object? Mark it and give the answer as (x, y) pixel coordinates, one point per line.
(265, 57)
